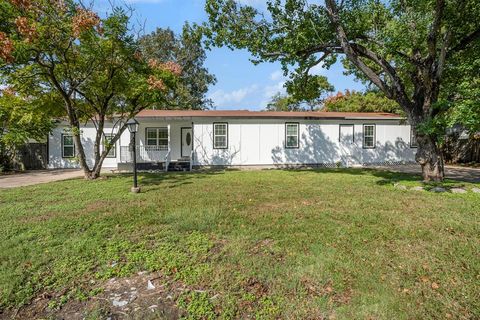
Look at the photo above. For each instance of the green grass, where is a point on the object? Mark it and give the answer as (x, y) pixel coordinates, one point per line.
(267, 244)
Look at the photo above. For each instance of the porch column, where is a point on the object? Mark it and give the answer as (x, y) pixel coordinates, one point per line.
(168, 128)
(167, 158)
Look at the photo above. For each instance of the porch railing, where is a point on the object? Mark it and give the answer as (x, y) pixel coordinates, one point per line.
(144, 154)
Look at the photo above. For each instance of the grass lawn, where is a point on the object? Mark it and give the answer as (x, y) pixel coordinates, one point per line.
(266, 244)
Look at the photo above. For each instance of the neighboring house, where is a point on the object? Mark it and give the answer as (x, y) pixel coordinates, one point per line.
(181, 139)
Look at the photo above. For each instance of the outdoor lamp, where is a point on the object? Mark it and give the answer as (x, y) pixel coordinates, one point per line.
(132, 126)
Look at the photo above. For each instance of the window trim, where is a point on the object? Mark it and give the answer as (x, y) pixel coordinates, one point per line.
(340, 131)
(298, 135)
(413, 146)
(114, 147)
(63, 145)
(374, 135)
(157, 137)
(226, 135)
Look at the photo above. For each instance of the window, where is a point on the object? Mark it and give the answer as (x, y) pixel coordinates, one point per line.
(68, 147)
(106, 141)
(157, 137)
(346, 134)
(413, 138)
(368, 136)
(291, 135)
(220, 135)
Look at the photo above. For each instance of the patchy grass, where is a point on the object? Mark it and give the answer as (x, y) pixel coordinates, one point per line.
(266, 244)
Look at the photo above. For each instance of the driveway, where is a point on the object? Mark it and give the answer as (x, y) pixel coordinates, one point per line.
(466, 174)
(39, 176)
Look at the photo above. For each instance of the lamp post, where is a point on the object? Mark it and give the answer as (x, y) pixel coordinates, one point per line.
(132, 126)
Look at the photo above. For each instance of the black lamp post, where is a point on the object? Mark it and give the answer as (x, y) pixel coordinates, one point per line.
(132, 126)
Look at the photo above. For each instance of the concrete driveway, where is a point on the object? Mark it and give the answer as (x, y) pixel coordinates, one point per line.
(466, 174)
(39, 176)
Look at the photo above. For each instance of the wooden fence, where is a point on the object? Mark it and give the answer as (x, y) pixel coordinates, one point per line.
(31, 156)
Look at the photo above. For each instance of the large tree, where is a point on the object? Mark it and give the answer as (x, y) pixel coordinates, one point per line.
(185, 49)
(402, 47)
(93, 65)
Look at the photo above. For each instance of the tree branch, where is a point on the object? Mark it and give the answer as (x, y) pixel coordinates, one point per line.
(465, 42)
(353, 53)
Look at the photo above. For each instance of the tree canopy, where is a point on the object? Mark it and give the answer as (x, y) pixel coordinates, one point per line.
(352, 101)
(185, 49)
(93, 65)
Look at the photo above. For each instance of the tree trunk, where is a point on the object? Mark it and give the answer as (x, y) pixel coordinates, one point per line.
(430, 158)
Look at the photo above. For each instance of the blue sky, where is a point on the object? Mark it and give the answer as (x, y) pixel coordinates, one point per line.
(240, 85)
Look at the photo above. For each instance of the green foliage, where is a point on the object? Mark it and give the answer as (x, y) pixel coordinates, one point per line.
(369, 101)
(185, 49)
(21, 119)
(309, 89)
(197, 305)
(460, 102)
(280, 102)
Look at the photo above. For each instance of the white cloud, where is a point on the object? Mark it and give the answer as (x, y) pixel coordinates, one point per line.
(270, 91)
(221, 97)
(318, 70)
(277, 75)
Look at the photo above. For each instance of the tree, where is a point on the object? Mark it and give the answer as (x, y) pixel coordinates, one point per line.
(186, 50)
(404, 48)
(352, 101)
(21, 119)
(94, 66)
(283, 102)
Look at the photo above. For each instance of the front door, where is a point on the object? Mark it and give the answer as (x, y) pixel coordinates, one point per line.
(187, 141)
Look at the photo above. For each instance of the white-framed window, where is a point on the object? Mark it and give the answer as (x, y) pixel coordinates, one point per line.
(107, 140)
(368, 136)
(220, 135)
(413, 138)
(291, 135)
(157, 137)
(346, 134)
(68, 146)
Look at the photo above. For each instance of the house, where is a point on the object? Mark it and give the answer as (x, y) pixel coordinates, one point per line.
(182, 139)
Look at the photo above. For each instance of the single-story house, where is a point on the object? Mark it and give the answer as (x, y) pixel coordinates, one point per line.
(192, 138)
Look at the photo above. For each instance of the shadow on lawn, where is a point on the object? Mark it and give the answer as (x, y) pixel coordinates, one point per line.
(173, 179)
(176, 179)
(155, 181)
(386, 177)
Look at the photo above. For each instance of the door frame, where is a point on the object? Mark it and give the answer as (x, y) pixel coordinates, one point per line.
(181, 139)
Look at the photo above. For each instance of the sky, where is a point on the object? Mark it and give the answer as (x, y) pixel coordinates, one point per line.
(240, 83)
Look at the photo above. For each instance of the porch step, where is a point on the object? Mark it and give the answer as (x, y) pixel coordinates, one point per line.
(179, 166)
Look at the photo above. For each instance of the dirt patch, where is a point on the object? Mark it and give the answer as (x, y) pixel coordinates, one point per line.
(256, 287)
(98, 205)
(142, 296)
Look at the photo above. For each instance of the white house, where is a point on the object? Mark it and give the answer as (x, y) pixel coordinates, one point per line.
(180, 139)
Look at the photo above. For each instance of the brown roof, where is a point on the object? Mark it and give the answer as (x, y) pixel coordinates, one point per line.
(267, 114)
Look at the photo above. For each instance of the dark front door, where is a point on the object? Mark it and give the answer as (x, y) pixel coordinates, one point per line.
(187, 142)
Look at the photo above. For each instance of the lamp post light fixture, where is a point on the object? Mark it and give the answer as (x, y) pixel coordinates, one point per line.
(132, 126)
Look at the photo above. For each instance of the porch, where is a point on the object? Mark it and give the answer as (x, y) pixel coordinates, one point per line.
(160, 146)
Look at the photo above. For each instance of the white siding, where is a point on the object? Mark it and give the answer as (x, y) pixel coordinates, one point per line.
(259, 142)
(262, 142)
(88, 132)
